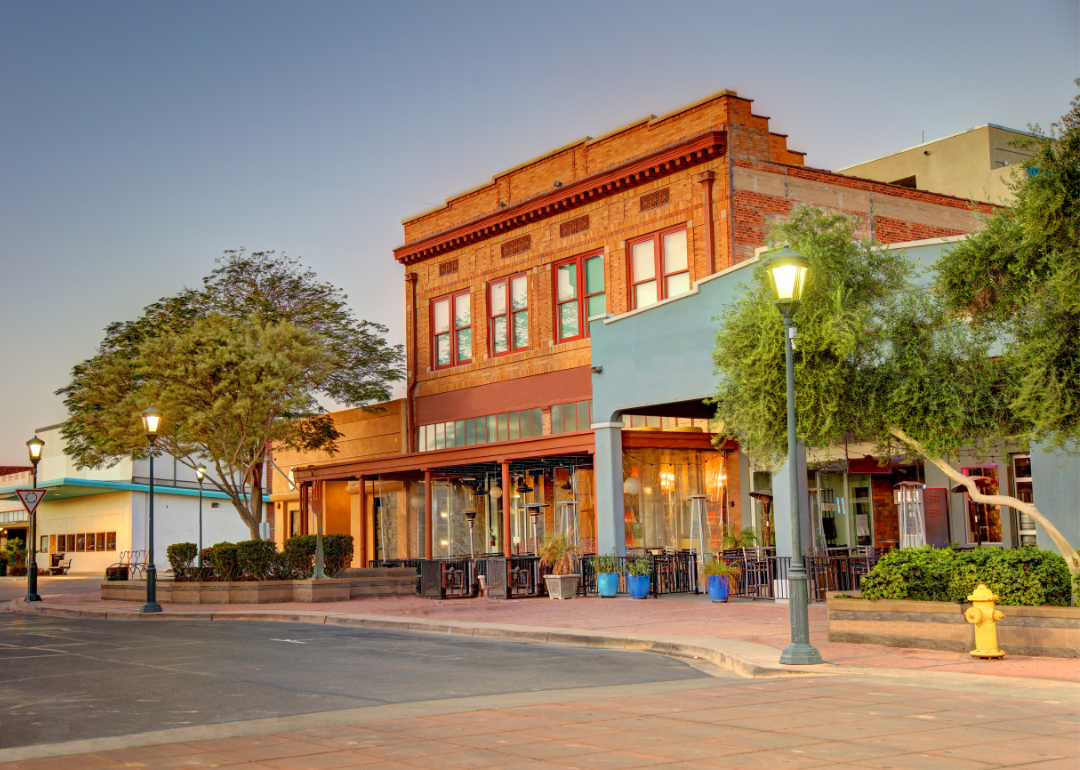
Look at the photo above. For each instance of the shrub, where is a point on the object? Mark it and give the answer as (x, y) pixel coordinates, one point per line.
(255, 558)
(300, 554)
(181, 557)
(1025, 576)
(639, 566)
(223, 559)
(911, 573)
(605, 563)
(731, 573)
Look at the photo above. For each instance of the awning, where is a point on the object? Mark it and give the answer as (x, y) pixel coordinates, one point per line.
(65, 488)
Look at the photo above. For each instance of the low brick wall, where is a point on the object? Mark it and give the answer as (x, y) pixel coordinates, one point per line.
(240, 592)
(1046, 631)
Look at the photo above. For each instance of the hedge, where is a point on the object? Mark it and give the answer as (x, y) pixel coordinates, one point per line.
(260, 559)
(300, 554)
(1025, 576)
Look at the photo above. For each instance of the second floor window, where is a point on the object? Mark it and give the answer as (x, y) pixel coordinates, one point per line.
(579, 295)
(508, 302)
(451, 330)
(659, 266)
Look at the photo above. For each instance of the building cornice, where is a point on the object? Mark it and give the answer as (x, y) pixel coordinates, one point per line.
(634, 173)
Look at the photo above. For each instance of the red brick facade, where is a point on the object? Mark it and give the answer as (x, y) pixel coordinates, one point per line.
(538, 206)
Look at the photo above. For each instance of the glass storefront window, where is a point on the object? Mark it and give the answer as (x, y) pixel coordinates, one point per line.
(984, 521)
(657, 505)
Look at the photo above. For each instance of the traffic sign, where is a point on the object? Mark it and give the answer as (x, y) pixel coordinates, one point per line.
(31, 498)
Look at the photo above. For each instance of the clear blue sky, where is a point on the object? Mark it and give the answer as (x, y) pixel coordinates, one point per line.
(140, 140)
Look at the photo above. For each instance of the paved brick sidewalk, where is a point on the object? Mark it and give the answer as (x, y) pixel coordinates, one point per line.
(835, 722)
(763, 623)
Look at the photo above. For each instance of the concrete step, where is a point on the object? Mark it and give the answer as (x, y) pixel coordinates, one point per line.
(357, 572)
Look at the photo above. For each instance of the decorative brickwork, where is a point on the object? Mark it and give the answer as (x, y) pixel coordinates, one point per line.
(655, 199)
(574, 226)
(517, 246)
(449, 267)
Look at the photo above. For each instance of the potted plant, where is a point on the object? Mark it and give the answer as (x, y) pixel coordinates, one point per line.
(607, 574)
(558, 554)
(639, 571)
(719, 575)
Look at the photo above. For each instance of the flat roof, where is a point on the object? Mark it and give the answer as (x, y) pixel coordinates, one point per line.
(935, 141)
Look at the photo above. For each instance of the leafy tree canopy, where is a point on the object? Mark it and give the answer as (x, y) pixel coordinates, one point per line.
(878, 359)
(234, 366)
(1020, 276)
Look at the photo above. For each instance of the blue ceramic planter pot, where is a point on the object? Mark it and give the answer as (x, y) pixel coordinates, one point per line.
(719, 588)
(608, 584)
(638, 585)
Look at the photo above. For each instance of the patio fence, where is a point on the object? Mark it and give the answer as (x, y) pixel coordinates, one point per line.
(766, 577)
(763, 577)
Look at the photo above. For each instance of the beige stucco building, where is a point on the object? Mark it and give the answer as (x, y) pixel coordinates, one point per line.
(975, 164)
(378, 431)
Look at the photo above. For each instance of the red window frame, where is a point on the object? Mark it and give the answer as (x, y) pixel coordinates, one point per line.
(451, 332)
(659, 275)
(509, 312)
(582, 299)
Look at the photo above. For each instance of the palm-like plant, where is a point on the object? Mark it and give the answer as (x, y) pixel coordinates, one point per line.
(559, 554)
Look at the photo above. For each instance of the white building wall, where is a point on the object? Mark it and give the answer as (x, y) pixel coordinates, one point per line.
(176, 520)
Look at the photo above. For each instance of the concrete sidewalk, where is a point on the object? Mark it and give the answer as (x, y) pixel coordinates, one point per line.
(702, 724)
(741, 636)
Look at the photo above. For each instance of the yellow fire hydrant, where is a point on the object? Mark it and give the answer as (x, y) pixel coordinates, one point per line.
(983, 615)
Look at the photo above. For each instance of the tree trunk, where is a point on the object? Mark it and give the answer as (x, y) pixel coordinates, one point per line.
(1072, 559)
(256, 501)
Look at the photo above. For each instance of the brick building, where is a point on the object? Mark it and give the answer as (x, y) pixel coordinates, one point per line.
(501, 283)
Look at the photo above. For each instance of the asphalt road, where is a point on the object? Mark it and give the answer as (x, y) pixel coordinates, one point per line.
(67, 679)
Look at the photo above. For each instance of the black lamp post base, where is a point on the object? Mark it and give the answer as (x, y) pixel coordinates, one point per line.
(151, 607)
(801, 655)
(32, 598)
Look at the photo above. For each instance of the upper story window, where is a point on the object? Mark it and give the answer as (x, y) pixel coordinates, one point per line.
(508, 304)
(579, 294)
(659, 266)
(451, 330)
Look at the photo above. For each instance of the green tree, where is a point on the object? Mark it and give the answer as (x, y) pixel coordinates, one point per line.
(1020, 277)
(878, 360)
(234, 366)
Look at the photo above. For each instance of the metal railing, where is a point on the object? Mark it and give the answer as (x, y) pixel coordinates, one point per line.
(671, 573)
(766, 576)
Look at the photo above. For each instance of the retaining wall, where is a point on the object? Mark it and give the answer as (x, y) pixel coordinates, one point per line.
(1046, 631)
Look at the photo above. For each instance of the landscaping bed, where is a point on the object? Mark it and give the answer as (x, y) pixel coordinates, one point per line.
(1045, 630)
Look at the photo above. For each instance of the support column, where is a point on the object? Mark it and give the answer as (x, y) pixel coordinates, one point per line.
(428, 534)
(507, 552)
(608, 469)
(359, 525)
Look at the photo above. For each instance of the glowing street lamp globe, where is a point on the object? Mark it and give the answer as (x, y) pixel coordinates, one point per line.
(151, 420)
(788, 270)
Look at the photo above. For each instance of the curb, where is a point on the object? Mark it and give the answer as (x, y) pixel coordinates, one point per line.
(725, 655)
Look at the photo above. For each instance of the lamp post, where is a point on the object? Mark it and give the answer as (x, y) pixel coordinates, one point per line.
(788, 270)
(151, 420)
(200, 474)
(34, 447)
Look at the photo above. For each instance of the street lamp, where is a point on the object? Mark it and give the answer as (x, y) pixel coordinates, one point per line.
(34, 447)
(200, 474)
(151, 420)
(788, 270)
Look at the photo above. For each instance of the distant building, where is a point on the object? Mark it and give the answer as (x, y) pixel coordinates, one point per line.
(974, 164)
(92, 515)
